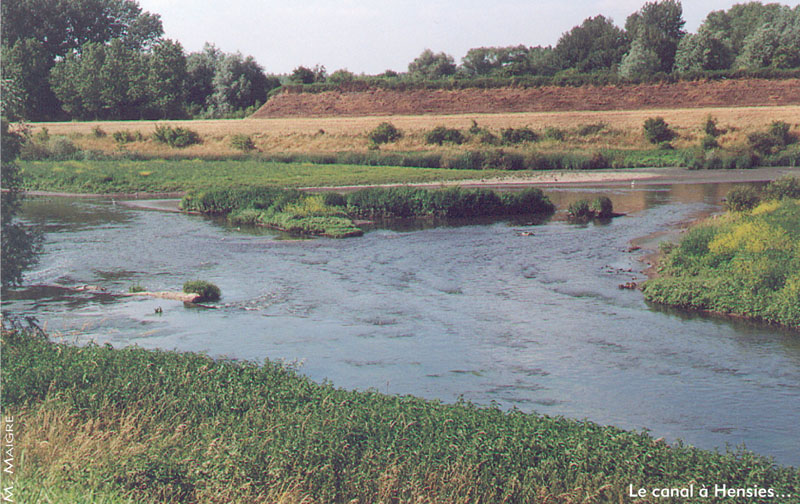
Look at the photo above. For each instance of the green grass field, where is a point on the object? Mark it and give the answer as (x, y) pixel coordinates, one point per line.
(185, 175)
(113, 425)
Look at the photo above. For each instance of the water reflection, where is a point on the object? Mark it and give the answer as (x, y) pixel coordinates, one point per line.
(522, 313)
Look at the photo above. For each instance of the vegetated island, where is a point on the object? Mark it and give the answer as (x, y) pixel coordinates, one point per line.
(140, 425)
(332, 214)
(744, 263)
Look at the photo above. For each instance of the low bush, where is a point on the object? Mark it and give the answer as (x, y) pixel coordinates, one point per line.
(136, 288)
(710, 127)
(785, 187)
(512, 136)
(242, 142)
(207, 290)
(709, 142)
(176, 136)
(590, 129)
(98, 132)
(334, 199)
(53, 148)
(556, 134)
(383, 133)
(602, 207)
(579, 211)
(657, 131)
(440, 135)
(122, 136)
(740, 199)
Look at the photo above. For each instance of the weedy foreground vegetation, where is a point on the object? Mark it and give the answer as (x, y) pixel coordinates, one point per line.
(161, 426)
(331, 214)
(746, 262)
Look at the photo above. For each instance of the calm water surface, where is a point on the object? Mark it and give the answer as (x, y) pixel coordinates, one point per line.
(480, 311)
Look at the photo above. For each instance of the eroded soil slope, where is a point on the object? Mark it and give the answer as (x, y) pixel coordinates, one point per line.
(687, 94)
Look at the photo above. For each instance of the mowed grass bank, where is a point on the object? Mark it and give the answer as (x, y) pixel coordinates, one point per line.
(155, 426)
(185, 175)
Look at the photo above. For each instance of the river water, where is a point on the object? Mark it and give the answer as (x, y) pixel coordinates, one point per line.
(520, 315)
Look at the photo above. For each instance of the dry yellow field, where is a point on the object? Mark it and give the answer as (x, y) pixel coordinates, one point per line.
(338, 134)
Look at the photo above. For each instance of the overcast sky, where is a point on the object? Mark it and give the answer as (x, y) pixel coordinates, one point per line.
(371, 36)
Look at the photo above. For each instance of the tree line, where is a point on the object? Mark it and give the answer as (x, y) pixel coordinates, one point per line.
(108, 59)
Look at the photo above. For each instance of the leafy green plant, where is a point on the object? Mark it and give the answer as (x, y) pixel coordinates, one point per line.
(590, 129)
(740, 199)
(657, 131)
(136, 288)
(602, 207)
(710, 127)
(122, 136)
(709, 142)
(785, 187)
(383, 133)
(242, 142)
(207, 290)
(176, 136)
(557, 134)
(441, 134)
(98, 132)
(518, 135)
(580, 211)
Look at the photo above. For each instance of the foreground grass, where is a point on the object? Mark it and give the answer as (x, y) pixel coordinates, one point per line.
(186, 175)
(743, 263)
(155, 426)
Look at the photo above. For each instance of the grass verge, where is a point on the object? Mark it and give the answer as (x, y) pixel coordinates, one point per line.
(182, 427)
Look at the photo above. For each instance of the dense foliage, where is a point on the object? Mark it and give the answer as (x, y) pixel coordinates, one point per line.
(207, 290)
(183, 427)
(19, 243)
(743, 263)
(108, 59)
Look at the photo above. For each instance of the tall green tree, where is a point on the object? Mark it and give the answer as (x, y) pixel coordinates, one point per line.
(103, 81)
(166, 79)
(64, 26)
(430, 66)
(496, 61)
(658, 27)
(703, 51)
(597, 44)
(28, 64)
(775, 43)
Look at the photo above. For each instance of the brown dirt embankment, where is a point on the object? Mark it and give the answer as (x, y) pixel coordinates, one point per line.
(684, 94)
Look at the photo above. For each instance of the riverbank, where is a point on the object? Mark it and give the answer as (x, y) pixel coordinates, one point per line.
(172, 179)
(740, 264)
(154, 425)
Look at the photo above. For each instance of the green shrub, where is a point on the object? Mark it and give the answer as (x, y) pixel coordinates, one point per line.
(710, 128)
(136, 288)
(709, 142)
(122, 136)
(42, 136)
(61, 148)
(785, 187)
(177, 136)
(656, 130)
(334, 199)
(242, 142)
(488, 138)
(512, 136)
(383, 133)
(590, 129)
(557, 134)
(98, 132)
(579, 211)
(441, 134)
(764, 142)
(742, 198)
(207, 290)
(602, 207)
(780, 130)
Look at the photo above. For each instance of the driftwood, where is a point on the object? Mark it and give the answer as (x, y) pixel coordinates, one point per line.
(175, 296)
